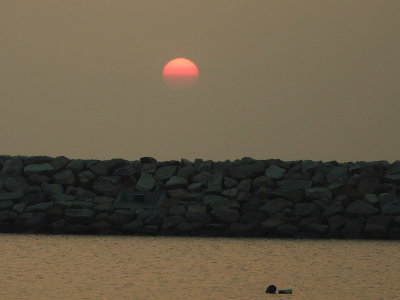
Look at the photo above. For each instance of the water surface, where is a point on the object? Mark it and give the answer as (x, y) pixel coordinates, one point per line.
(125, 267)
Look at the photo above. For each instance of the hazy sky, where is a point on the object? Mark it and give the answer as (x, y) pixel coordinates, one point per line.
(292, 80)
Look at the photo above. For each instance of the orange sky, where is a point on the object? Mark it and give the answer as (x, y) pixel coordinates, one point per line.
(279, 79)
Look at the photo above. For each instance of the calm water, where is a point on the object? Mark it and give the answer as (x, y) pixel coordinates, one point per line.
(90, 267)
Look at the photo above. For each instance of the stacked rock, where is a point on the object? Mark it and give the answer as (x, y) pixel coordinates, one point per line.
(246, 197)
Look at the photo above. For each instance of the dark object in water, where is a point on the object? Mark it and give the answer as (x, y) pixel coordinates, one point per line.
(287, 291)
(271, 289)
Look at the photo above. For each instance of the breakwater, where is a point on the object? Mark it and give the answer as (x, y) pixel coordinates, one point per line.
(246, 197)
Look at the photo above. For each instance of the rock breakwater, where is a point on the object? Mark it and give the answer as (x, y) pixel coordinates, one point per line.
(246, 197)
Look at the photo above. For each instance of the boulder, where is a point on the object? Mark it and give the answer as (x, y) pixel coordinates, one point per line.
(252, 217)
(369, 182)
(271, 223)
(65, 177)
(196, 187)
(275, 205)
(100, 168)
(288, 185)
(246, 170)
(126, 171)
(13, 166)
(214, 183)
(37, 222)
(86, 178)
(287, 229)
(286, 291)
(177, 210)
(187, 172)
(336, 222)
(106, 185)
(6, 204)
(13, 196)
(225, 214)
(390, 209)
(216, 201)
(59, 163)
(166, 172)
(50, 188)
(44, 168)
(275, 172)
(361, 208)
(371, 198)
(306, 210)
(241, 229)
(244, 185)
(176, 182)
(318, 193)
(7, 215)
(354, 226)
(231, 193)
(146, 182)
(197, 213)
(121, 217)
(202, 177)
(378, 225)
(76, 165)
(230, 182)
(39, 207)
(172, 221)
(337, 175)
(17, 183)
(81, 216)
(333, 209)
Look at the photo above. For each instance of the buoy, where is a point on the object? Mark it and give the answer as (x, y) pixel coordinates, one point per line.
(287, 291)
(271, 289)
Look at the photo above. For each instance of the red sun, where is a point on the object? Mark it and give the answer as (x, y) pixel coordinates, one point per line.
(180, 73)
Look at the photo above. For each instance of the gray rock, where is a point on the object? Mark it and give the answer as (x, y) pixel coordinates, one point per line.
(306, 210)
(197, 213)
(19, 207)
(62, 197)
(13, 166)
(36, 178)
(317, 228)
(6, 204)
(390, 209)
(101, 227)
(354, 226)
(275, 205)
(49, 188)
(333, 209)
(378, 225)
(388, 198)
(76, 165)
(121, 217)
(214, 183)
(86, 178)
(286, 291)
(369, 182)
(230, 182)
(353, 180)
(202, 177)
(116, 163)
(106, 185)
(6, 215)
(252, 217)
(336, 222)
(39, 207)
(215, 201)
(100, 168)
(176, 182)
(38, 169)
(134, 226)
(34, 198)
(65, 177)
(149, 168)
(187, 172)
(337, 175)
(271, 223)
(196, 187)
(250, 170)
(225, 214)
(146, 182)
(371, 198)
(81, 216)
(166, 172)
(262, 181)
(184, 227)
(172, 221)
(309, 165)
(288, 185)
(36, 222)
(126, 171)
(393, 178)
(360, 208)
(13, 196)
(15, 184)
(318, 193)
(275, 172)
(231, 193)
(241, 229)
(244, 185)
(60, 162)
(74, 204)
(177, 210)
(287, 229)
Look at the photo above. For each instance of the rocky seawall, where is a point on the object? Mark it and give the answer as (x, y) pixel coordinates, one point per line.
(246, 197)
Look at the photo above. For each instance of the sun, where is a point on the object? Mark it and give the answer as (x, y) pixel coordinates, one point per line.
(180, 73)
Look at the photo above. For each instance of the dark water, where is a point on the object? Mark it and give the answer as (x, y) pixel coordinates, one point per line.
(91, 267)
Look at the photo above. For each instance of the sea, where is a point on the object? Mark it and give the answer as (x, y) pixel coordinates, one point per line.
(71, 267)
